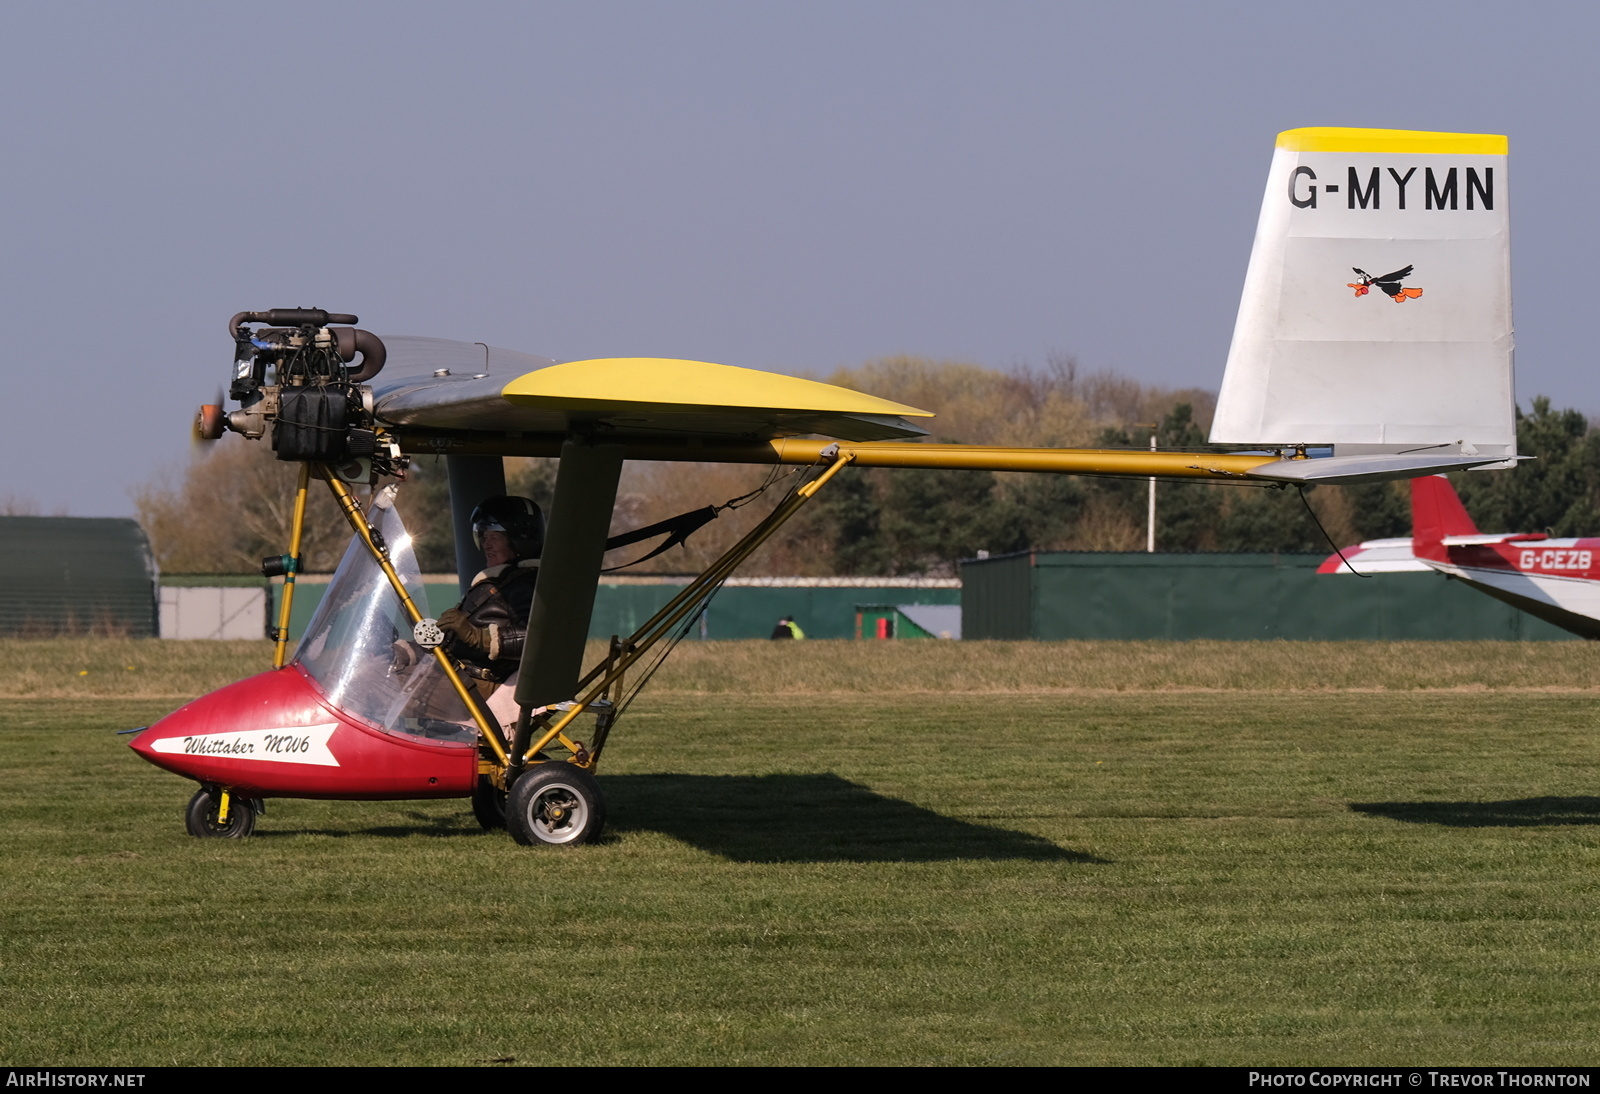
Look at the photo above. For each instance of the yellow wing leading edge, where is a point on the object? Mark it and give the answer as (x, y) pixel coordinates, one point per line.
(664, 384)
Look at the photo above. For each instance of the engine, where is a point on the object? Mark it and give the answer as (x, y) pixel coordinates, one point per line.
(299, 376)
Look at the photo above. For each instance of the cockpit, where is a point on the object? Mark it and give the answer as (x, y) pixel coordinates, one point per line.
(358, 646)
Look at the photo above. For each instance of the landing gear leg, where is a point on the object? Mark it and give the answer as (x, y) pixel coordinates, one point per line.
(205, 817)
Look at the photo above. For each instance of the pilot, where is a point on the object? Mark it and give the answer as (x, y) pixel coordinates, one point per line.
(486, 631)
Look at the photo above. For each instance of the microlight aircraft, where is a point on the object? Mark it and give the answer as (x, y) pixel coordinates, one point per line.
(1325, 385)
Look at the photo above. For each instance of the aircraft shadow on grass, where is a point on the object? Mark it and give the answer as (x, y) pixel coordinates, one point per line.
(808, 818)
(1516, 813)
(423, 824)
(767, 818)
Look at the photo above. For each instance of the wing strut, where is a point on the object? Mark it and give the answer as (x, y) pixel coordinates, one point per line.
(601, 679)
(351, 509)
(290, 564)
(569, 571)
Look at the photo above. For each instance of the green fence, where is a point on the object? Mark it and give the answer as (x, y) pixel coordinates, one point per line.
(1060, 595)
(738, 611)
(1063, 595)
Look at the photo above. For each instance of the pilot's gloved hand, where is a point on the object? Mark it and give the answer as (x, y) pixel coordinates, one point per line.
(406, 655)
(456, 624)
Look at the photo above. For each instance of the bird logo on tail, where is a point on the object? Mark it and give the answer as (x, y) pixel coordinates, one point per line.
(1388, 284)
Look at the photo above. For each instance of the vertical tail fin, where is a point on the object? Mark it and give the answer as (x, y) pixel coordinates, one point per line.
(1436, 512)
(1318, 357)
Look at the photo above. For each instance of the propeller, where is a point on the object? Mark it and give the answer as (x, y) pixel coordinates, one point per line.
(208, 425)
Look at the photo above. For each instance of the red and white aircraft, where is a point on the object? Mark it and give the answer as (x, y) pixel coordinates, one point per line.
(1557, 580)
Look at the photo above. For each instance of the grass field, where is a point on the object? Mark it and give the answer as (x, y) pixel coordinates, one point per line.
(851, 853)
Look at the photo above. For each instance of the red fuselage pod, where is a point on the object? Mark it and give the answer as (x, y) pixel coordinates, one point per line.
(276, 736)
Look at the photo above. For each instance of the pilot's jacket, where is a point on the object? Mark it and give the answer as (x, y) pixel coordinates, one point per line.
(486, 633)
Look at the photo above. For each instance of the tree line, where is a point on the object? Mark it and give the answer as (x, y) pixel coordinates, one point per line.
(228, 508)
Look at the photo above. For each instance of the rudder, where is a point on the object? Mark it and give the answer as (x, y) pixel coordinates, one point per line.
(1436, 512)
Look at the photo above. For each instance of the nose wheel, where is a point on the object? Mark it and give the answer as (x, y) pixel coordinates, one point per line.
(203, 818)
(555, 803)
(489, 804)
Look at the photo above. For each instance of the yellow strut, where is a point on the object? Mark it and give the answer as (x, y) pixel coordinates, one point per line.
(296, 529)
(718, 569)
(1133, 463)
(352, 513)
(673, 612)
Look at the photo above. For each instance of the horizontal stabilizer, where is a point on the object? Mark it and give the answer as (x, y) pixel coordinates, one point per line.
(1375, 556)
(1345, 470)
(1491, 538)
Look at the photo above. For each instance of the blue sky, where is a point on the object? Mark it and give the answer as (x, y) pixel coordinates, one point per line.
(786, 186)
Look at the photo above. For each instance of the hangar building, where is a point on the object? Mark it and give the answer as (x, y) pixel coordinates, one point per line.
(76, 575)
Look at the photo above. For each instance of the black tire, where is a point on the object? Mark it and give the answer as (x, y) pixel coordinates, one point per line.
(201, 816)
(489, 804)
(555, 804)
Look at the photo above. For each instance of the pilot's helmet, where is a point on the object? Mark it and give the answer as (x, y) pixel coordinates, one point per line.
(519, 518)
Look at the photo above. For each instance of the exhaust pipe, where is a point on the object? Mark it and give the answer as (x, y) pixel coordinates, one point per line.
(351, 341)
(347, 339)
(288, 317)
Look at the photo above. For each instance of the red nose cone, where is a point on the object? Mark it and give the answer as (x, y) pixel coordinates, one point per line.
(209, 423)
(274, 735)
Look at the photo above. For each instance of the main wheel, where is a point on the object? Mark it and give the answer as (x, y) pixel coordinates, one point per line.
(555, 803)
(201, 816)
(489, 804)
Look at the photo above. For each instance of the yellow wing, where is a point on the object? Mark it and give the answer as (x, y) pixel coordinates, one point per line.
(464, 397)
(464, 387)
